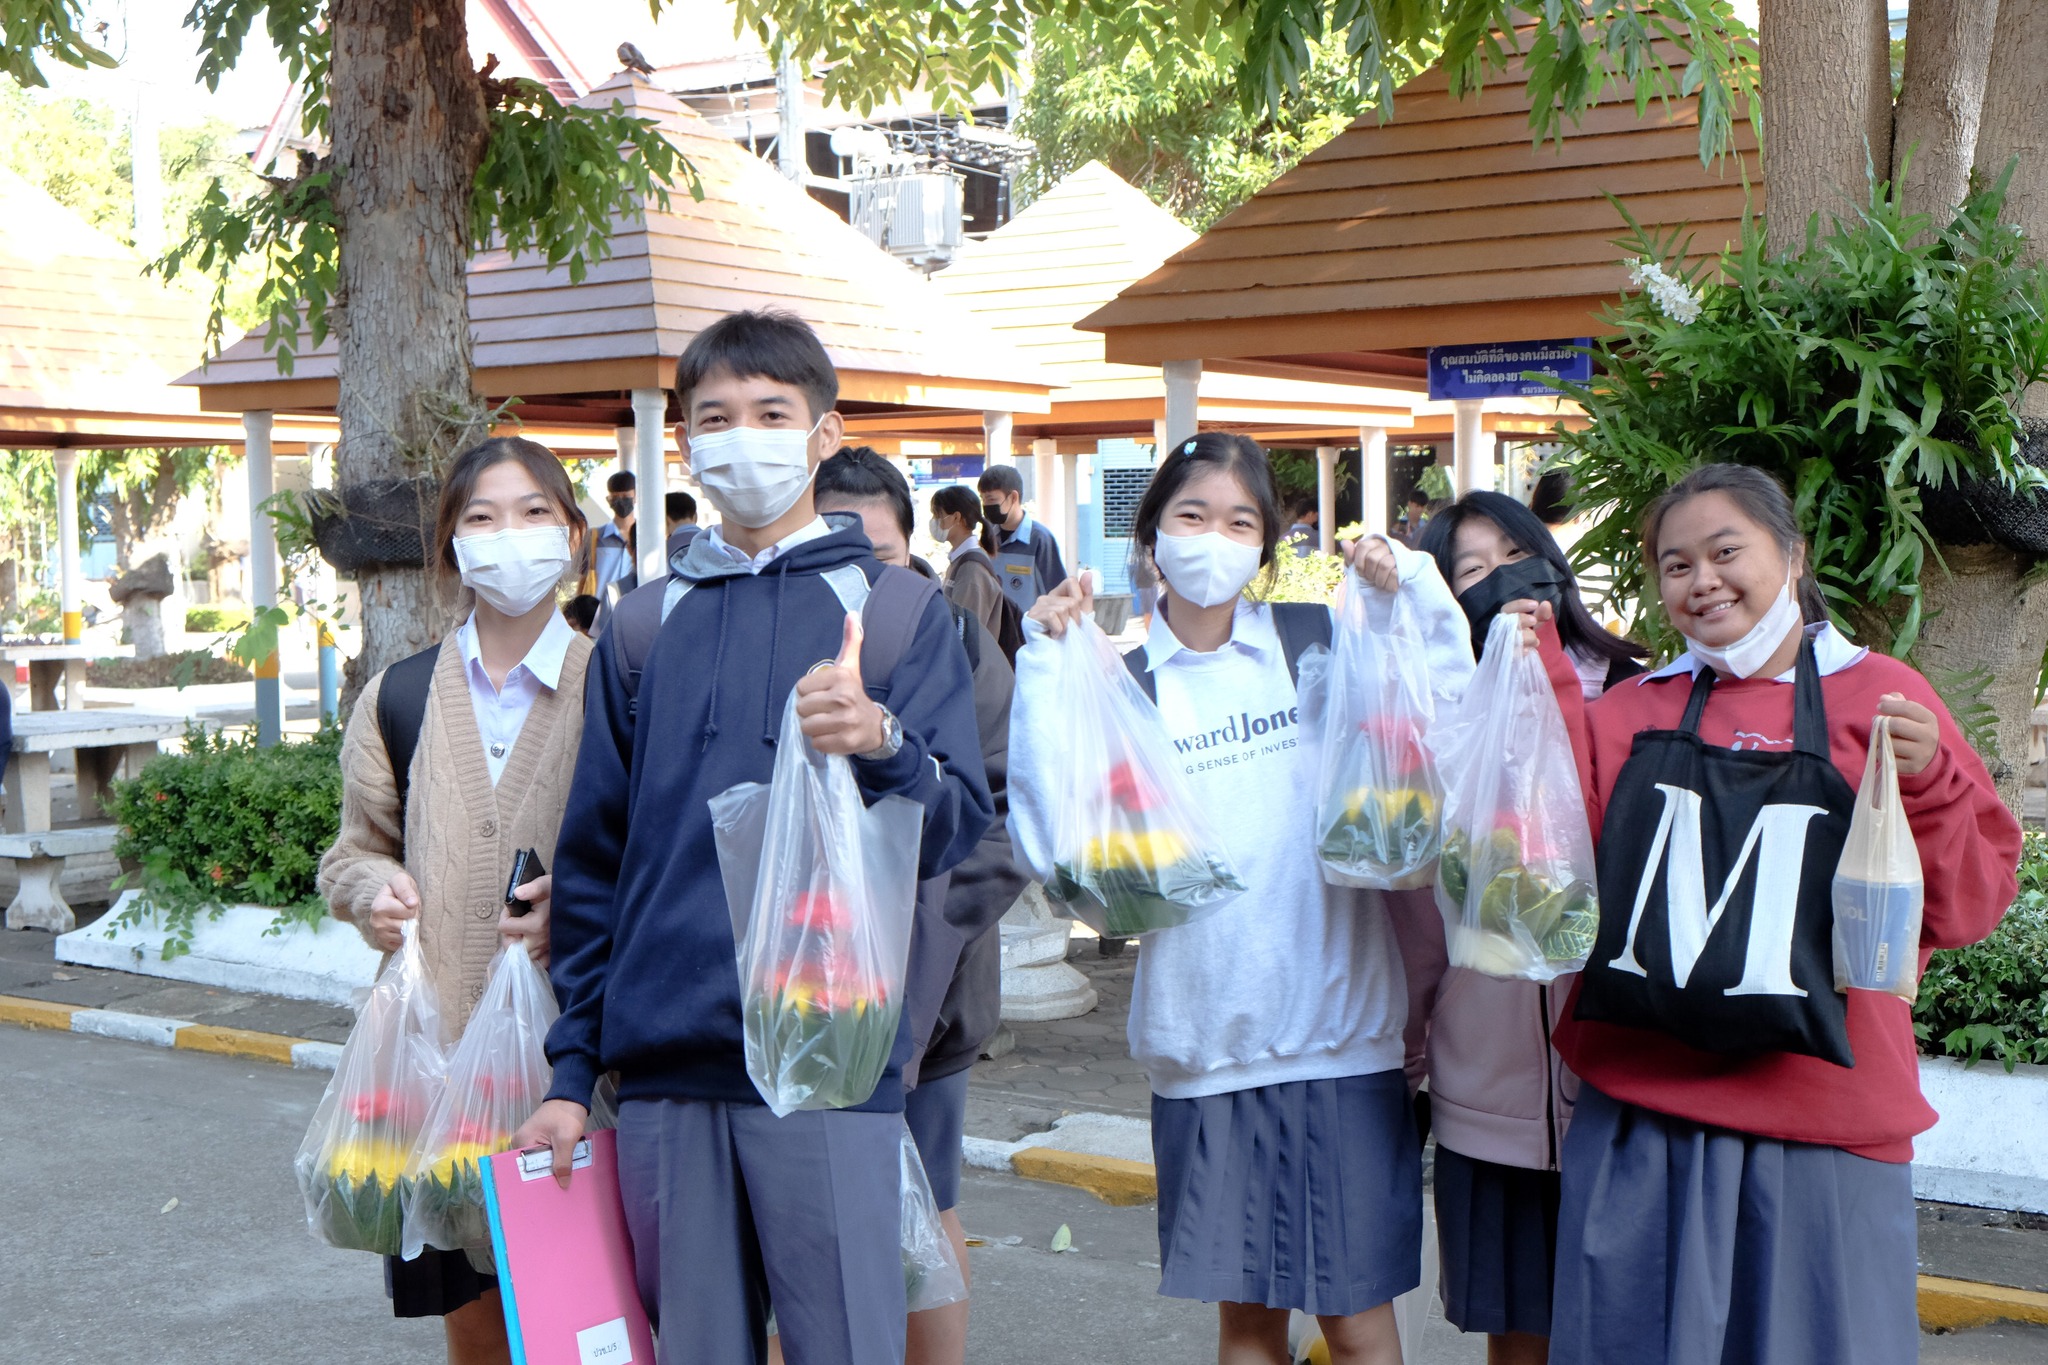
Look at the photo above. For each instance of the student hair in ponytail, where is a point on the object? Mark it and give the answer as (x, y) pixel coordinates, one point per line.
(1762, 499)
(958, 500)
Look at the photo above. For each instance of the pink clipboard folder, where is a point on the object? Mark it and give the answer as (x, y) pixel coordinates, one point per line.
(565, 1266)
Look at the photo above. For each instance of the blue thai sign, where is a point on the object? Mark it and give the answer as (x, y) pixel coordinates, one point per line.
(1498, 370)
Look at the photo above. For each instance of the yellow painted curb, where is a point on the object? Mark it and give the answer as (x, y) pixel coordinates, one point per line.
(1110, 1179)
(236, 1042)
(1952, 1305)
(15, 1009)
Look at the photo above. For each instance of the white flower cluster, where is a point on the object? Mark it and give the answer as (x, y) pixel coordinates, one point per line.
(1672, 298)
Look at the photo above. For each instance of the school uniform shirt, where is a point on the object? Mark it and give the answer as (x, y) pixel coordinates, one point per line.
(613, 556)
(1969, 847)
(501, 711)
(1028, 561)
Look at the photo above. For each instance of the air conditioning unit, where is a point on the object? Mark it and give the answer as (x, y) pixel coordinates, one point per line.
(914, 215)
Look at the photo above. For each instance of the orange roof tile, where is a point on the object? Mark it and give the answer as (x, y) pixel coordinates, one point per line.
(754, 241)
(1444, 226)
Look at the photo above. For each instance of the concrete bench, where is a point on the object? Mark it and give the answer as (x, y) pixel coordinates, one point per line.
(39, 856)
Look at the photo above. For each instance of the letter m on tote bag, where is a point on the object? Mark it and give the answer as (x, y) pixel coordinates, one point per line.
(1726, 944)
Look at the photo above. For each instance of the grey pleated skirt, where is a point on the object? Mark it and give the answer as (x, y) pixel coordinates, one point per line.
(1305, 1195)
(1496, 1231)
(1685, 1245)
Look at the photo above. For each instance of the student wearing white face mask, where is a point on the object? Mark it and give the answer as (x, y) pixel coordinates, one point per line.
(455, 760)
(1271, 1032)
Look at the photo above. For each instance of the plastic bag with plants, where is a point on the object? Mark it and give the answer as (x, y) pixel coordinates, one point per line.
(822, 888)
(1516, 880)
(1132, 853)
(1379, 799)
(351, 1165)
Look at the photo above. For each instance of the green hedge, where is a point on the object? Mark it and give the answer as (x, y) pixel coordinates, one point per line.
(1991, 998)
(225, 822)
(166, 670)
(215, 620)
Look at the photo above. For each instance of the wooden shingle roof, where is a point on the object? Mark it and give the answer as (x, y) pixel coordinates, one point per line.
(1446, 226)
(755, 240)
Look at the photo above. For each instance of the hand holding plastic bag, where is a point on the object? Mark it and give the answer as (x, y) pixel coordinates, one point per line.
(496, 1075)
(1379, 799)
(1879, 893)
(822, 888)
(1132, 852)
(932, 1277)
(352, 1162)
(1516, 878)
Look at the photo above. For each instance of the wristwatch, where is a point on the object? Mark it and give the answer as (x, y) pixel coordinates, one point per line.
(892, 737)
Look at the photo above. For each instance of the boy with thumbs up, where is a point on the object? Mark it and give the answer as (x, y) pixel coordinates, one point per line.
(731, 1209)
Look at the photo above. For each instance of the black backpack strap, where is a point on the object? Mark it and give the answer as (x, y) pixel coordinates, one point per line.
(1300, 624)
(629, 631)
(896, 604)
(401, 711)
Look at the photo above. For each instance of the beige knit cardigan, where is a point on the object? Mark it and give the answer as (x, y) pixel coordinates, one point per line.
(461, 833)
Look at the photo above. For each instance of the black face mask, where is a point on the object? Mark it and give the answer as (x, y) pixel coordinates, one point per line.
(993, 513)
(622, 506)
(1534, 578)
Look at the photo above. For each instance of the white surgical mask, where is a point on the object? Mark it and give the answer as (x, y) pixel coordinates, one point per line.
(514, 570)
(753, 474)
(1207, 569)
(1744, 658)
(937, 528)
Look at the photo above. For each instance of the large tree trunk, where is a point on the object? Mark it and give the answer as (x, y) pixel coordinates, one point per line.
(1982, 613)
(1934, 136)
(408, 119)
(2015, 125)
(1827, 94)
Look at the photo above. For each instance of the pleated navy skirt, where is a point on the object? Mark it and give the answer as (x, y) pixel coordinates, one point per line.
(1685, 1245)
(1496, 1230)
(1305, 1195)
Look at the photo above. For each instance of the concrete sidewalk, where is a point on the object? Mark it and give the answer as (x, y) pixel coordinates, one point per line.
(1064, 1103)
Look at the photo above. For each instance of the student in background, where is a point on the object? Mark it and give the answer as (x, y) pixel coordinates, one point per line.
(728, 1206)
(955, 990)
(613, 548)
(971, 578)
(496, 716)
(1302, 535)
(581, 613)
(1414, 518)
(1027, 557)
(680, 511)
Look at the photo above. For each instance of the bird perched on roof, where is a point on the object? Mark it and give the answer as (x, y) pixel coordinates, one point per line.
(632, 60)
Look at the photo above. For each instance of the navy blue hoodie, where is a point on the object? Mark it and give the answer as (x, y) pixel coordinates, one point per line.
(643, 960)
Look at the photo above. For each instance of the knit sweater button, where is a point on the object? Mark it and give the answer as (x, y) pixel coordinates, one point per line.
(485, 910)
(488, 828)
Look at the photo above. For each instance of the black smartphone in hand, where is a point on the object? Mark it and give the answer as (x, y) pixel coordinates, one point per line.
(525, 868)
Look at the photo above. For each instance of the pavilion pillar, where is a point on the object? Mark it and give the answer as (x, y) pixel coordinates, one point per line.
(1471, 451)
(67, 546)
(1055, 491)
(1372, 469)
(263, 569)
(650, 478)
(1183, 399)
(1326, 499)
(998, 437)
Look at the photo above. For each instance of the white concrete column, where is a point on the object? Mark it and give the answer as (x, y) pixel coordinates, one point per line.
(1183, 398)
(650, 476)
(67, 544)
(998, 439)
(1372, 469)
(622, 442)
(1052, 502)
(1326, 499)
(1069, 529)
(1471, 448)
(263, 568)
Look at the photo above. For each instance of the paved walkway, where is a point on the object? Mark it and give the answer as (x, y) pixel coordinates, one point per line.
(1082, 1063)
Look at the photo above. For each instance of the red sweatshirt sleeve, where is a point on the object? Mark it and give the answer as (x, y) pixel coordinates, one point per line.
(1969, 841)
(1571, 700)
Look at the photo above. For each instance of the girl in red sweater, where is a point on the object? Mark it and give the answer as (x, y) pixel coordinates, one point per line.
(1736, 1186)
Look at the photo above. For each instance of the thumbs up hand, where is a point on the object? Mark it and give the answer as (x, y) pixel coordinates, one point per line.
(832, 702)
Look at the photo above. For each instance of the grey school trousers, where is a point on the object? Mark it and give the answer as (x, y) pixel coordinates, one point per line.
(731, 1208)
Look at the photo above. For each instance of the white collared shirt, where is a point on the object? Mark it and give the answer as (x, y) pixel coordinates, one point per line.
(501, 712)
(811, 530)
(1832, 652)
